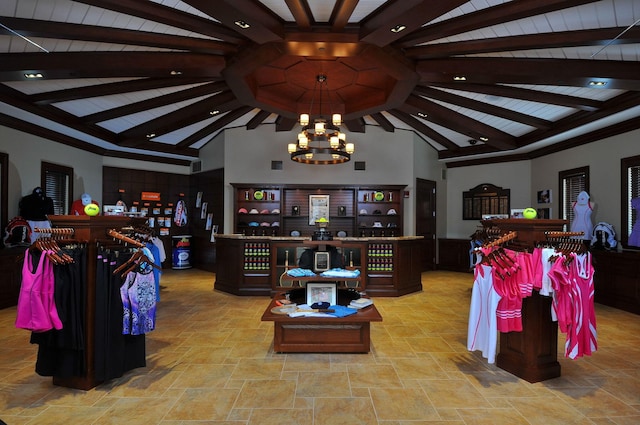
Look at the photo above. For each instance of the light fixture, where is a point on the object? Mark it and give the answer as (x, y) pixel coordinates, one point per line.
(320, 141)
(33, 75)
(398, 28)
(242, 24)
(597, 83)
(459, 78)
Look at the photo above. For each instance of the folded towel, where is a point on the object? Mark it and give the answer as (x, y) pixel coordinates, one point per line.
(300, 272)
(340, 273)
(342, 311)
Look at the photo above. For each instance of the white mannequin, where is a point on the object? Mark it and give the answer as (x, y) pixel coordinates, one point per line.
(582, 209)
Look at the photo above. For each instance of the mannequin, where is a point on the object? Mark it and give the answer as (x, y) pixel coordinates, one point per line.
(35, 208)
(634, 237)
(77, 208)
(582, 209)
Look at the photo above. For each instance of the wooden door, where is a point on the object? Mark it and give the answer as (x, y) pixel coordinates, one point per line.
(426, 220)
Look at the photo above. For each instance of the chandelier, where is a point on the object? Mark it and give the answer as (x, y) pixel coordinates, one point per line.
(320, 141)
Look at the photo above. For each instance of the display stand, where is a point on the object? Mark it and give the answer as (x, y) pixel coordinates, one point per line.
(92, 230)
(533, 353)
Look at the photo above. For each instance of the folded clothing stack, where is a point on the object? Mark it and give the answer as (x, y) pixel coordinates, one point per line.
(361, 303)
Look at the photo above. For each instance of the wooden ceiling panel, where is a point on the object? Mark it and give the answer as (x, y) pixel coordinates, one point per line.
(563, 66)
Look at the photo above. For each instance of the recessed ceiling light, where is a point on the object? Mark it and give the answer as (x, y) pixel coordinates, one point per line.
(242, 24)
(176, 72)
(422, 115)
(459, 78)
(215, 112)
(150, 135)
(398, 28)
(597, 83)
(484, 139)
(32, 75)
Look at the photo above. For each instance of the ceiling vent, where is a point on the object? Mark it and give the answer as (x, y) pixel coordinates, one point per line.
(196, 166)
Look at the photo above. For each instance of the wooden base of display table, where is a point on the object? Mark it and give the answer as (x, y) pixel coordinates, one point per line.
(350, 334)
(532, 353)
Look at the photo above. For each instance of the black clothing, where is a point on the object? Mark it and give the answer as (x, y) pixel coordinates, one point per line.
(36, 206)
(335, 258)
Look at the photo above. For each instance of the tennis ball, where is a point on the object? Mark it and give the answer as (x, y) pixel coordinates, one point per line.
(529, 213)
(92, 209)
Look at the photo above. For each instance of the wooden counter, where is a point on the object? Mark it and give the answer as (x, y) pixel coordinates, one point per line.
(350, 334)
(252, 265)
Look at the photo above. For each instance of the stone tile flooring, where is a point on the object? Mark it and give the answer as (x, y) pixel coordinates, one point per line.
(210, 361)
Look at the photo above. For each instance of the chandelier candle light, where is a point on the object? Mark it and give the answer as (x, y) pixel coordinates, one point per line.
(320, 142)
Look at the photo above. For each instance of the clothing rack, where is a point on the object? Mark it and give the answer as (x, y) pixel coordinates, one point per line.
(533, 353)
(126, 239)
(56, 233)
(92, 230)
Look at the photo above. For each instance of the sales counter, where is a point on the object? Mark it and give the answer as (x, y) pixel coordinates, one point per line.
(257, 265)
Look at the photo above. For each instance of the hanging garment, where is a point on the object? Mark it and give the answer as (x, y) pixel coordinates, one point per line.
(634, 237)
(115, 353)
(138, 295)
(36, 309)
(61, 353)
(482, 332)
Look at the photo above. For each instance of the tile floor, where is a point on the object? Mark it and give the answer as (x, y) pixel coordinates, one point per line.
(210, 361)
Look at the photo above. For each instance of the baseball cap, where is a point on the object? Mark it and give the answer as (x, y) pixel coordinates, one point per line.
(242, 211)
(392, 212)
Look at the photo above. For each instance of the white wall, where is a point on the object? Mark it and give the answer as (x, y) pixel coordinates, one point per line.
(515, 176)
(388, 157)
(26, 152)
(603, 159)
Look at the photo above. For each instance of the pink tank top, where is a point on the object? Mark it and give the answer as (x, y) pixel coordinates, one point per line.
(36, 309)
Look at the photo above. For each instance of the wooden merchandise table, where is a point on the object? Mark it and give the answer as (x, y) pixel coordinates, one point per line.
(350, 334)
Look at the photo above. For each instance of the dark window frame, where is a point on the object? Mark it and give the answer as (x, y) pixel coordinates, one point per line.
(48, 167)
(564, 203)
(628, 216)
(4, 190)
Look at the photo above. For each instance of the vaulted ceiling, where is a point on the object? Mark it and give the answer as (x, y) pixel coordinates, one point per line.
(479, 80)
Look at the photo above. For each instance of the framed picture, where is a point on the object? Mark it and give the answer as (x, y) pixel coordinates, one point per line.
(318, 208)
(322, 292)
(321, 261)
(517, 213)
(544, 196)
(544, 213)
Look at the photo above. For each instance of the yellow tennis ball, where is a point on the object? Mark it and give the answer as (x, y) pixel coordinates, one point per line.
(529, 213)
(92, 209)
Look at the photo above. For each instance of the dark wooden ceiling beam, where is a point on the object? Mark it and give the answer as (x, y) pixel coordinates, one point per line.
(483, 107)
(609, 108)
(216, 126)
(483, 18)
(156, 102)
(458, 122)
(383, 122)
(21, 101)
(167, 123)
(422, 128)
(355, 125)
(156, 12)
(97, 90)
(284, 123)
(109, 65)
(60, 30)
(376, 28)
(341, 13)
(526, 42)
(301, 14)
(264, 26)
(525, 94)
(258, 119)
(48, 134)
(573, 72)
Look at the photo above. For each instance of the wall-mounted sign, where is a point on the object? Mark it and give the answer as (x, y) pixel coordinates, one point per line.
(150, 196)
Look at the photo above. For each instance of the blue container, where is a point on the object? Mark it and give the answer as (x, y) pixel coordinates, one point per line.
(181, 252)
